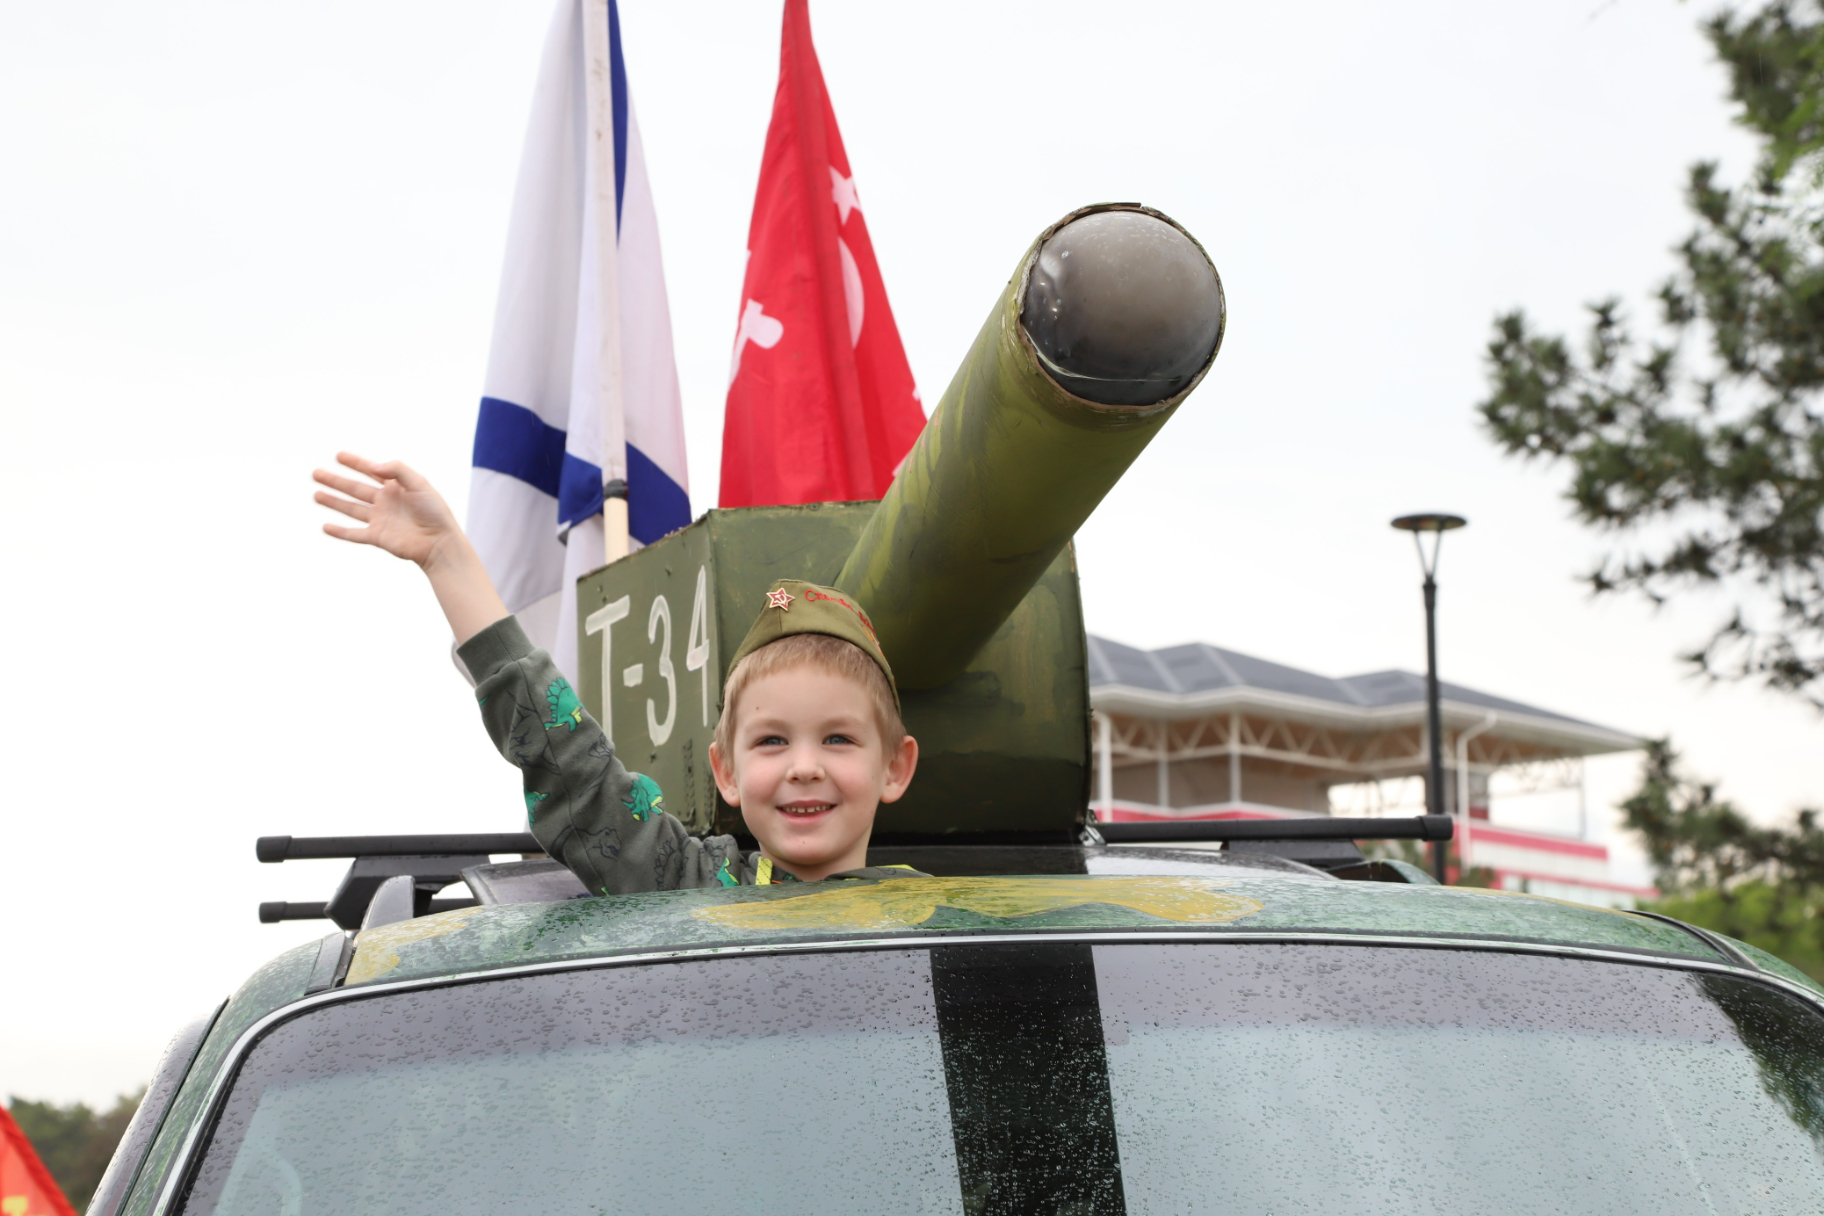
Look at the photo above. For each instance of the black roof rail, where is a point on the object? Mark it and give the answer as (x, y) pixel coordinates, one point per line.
(1324, 842)
(433, 862)
(1316, 827)
(316, 848)
(274, 911)
(436, 861)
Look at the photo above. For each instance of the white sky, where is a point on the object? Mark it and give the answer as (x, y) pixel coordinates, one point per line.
(237, 236)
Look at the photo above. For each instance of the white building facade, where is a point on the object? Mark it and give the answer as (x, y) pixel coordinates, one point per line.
(1198, 732)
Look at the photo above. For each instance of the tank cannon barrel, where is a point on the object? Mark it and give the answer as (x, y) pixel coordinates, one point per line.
(1112, 317)
(1110, 320)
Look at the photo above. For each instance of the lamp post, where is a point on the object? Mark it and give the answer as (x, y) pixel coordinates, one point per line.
(1436, 525)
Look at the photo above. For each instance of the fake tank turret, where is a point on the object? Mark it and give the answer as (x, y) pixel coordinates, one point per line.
(1110, 320)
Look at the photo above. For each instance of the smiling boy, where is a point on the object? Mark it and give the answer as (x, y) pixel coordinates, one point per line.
(809, 743)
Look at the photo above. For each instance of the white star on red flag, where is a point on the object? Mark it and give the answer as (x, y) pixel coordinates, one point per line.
(842, 193)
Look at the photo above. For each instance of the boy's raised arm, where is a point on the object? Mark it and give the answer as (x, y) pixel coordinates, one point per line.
(407, 518)
(606, 824)
(585, 808)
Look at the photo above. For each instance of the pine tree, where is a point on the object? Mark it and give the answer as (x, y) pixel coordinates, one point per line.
(1702, 447)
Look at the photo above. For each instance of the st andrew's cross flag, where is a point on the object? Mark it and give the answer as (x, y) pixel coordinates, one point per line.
(821, 403)
(582, 387)
(26, 1187)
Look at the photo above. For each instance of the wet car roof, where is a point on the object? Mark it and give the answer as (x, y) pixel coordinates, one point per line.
(1240, 901)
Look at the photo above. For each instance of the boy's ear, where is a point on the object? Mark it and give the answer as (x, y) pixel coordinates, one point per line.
(724, 769)
(900, 767)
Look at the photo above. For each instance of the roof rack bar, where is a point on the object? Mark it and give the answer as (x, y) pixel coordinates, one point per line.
(274, 911)
(1320, 827)
(312, 848)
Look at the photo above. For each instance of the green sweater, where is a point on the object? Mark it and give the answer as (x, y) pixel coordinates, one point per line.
(607, 824)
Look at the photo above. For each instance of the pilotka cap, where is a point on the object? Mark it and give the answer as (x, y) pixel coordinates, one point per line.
(793, 606)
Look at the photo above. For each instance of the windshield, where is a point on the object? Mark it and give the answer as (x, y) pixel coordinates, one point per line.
(1039, 1078)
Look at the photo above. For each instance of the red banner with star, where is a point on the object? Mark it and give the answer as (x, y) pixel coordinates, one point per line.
(821, 403)
(26, 1187)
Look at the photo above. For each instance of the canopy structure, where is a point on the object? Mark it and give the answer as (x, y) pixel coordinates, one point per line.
(1195, 731)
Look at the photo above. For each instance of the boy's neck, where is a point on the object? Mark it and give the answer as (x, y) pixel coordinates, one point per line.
(855, 859)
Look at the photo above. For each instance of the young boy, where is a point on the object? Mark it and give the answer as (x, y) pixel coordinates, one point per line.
(809, 743)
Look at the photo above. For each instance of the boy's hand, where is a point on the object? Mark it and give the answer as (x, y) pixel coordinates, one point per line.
(409, 519)
(403, 514)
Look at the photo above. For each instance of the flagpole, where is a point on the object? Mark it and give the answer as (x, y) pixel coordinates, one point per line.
(600, 98)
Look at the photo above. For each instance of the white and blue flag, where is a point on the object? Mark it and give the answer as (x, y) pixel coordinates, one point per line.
(582, 386)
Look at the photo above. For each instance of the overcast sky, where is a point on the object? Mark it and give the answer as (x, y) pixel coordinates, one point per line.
(235, 237)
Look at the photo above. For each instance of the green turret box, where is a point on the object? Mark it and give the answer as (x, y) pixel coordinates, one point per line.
(1003, 748)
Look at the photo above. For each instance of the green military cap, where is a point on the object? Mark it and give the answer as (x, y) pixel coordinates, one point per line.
(793, 606)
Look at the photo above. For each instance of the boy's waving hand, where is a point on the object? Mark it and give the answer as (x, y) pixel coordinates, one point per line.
(407, 518)
(403, 514)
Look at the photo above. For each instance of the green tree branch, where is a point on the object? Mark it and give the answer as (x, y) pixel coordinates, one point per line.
(1705, 449)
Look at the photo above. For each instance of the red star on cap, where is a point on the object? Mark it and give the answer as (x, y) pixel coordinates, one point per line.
(780, 599)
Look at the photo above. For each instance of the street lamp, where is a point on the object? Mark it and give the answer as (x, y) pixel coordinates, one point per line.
(1436, 525)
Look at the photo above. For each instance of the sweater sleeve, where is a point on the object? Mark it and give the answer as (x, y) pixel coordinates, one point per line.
(607, 824)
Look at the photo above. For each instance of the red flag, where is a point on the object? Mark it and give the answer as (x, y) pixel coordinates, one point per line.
(821, 403)
(26, 1187)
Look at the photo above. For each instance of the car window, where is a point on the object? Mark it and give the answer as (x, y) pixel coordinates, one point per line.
(1338, 1079)
(1054, 1077)
(657, 1089)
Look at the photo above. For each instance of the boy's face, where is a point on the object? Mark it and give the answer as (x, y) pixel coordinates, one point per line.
(809, 767)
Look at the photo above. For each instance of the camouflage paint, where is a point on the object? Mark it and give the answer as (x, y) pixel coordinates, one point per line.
(906, 903)
(377, 949)
(708, 918)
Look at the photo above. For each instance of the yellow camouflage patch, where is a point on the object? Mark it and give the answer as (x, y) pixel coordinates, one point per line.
(903, 903)
(377, 949)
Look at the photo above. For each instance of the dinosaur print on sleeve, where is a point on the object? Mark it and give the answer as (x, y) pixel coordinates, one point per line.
(608, 825)
(566, 710)
(643, 799)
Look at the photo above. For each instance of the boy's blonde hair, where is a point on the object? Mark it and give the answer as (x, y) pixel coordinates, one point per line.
(825, 653)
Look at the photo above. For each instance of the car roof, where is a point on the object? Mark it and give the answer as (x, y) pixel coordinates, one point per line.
(1229, 901)
(535, 914)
